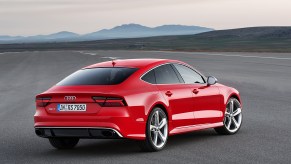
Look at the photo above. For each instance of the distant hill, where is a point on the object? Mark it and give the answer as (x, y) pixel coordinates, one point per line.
(55, 37)
(137, 31)
(249, 33)
(62, 35)
(253, 39)
(8, 38)
(123, 31)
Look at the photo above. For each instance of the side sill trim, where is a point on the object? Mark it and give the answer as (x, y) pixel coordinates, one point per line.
(184, 129)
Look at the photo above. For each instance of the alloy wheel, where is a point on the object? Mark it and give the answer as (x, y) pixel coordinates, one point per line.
(233, 116)
(158, 129)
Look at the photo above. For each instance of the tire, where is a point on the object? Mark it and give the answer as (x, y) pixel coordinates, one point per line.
(64, 143)
(232, 118)
(156, 136)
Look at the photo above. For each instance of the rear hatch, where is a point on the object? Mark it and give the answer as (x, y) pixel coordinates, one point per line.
(85, 91)
(75, 99)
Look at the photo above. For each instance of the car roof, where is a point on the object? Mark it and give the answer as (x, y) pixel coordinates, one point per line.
(135, 63)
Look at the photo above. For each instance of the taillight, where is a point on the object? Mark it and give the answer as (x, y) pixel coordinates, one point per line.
(109, 101)
(42, 101)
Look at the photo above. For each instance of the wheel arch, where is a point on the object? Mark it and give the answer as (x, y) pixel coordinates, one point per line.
(229, 93)
(233, 95)
(160, 105)
(165, 108)
(236, 96)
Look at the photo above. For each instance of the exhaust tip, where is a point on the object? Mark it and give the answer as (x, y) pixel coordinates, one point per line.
(107, 133)
(38, 132)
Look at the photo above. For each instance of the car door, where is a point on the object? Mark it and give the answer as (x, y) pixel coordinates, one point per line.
(176, 93)
(205, 97)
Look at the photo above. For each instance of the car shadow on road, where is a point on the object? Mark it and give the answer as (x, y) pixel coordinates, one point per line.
(121, 147)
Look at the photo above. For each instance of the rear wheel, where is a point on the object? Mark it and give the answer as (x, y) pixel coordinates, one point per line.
(156, 131)
(64, 143)
(232, 118)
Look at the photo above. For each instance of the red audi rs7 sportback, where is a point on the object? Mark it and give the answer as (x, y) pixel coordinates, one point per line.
(142, 99)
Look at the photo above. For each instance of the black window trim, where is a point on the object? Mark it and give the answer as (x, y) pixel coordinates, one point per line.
(176, 72)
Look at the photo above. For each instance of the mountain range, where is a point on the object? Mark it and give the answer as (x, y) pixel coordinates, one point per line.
(269, 32)
(123, 31)
(252, 39)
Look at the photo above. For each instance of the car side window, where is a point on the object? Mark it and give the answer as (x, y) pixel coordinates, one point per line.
(189, 75)
(165, 74)
(149, 77)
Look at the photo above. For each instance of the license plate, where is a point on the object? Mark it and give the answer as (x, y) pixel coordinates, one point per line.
(72, 107)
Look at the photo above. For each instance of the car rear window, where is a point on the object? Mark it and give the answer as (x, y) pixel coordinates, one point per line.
(98, 76)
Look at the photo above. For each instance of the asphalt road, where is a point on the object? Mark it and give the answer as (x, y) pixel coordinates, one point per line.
(264, 81)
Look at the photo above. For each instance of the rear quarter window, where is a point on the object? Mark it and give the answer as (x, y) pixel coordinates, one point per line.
(149, 77)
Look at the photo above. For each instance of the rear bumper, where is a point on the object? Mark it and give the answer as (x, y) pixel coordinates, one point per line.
(84, 132)
(129, 122)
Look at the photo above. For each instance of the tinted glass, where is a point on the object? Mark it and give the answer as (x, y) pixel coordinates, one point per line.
(165, 74)
(189, 75)
(150, 77)
(98, 76)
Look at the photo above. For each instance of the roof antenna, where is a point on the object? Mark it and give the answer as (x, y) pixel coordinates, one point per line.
(112, 59)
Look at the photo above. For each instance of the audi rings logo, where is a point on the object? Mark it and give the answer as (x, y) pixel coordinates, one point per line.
(70, 98)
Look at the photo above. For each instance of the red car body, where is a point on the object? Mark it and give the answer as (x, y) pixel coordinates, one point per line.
(189, 107)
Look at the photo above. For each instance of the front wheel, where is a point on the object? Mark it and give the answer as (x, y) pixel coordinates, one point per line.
(232, 118)
(64, 143)
(156, 131)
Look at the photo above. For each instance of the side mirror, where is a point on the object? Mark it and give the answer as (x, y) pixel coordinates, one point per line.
(211, 80)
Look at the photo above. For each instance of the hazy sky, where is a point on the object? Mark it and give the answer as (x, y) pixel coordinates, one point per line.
(30, 17)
